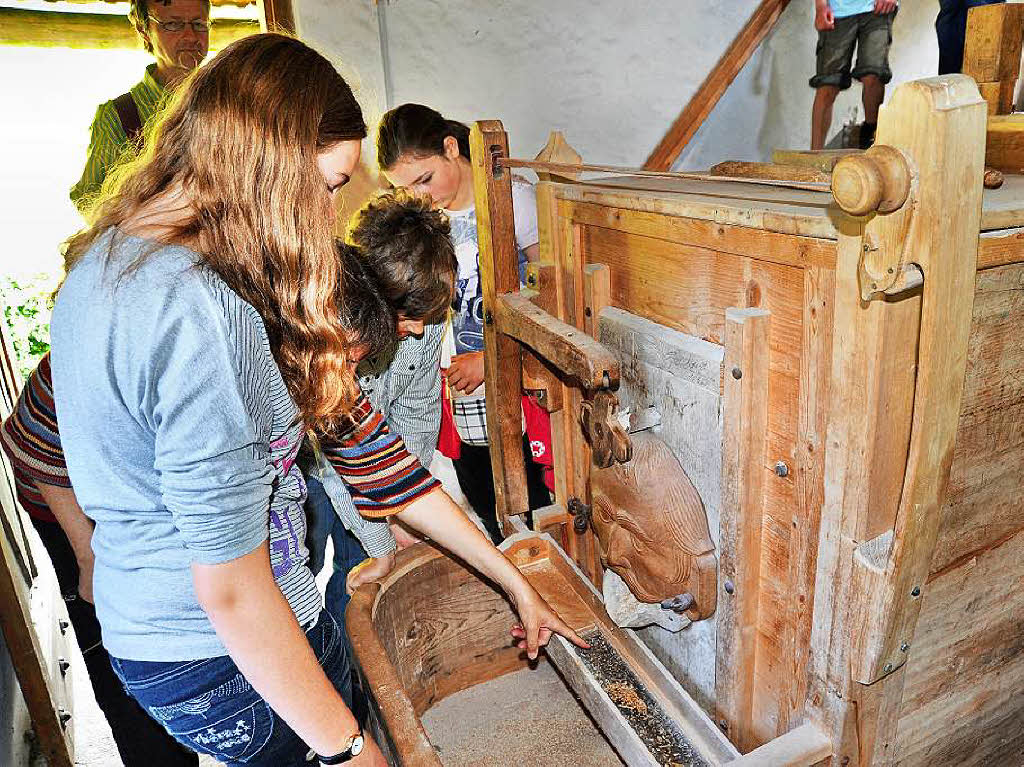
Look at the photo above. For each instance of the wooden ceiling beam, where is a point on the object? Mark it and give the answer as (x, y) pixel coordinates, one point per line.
(714, 86)
(60, 29)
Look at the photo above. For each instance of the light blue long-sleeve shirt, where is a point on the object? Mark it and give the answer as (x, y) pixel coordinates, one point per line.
(180, 437)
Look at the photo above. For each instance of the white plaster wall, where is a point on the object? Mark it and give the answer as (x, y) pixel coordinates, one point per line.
(769, 104)
(611, 75)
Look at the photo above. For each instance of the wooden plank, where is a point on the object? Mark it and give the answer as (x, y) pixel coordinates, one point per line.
(822, 159)
(276, 16)
(963, 700)
(992, 48)
(745, 417)
(539, 377)
(26, 653)
(1004, 147)
(499, 273)
(723, 238)
(808, 472)
(982, 507)
(803, 746)
(939, 123)
(714, 86)
(570, 350)
(1001, 247)
(770, 170)
(60, 29)
(596, 295)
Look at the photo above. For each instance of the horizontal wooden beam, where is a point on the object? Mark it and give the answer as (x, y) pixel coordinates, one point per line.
(60, 29)
(567, 348)
(714, 86)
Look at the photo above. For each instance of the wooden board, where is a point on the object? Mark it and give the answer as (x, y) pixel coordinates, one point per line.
(992, 46)
(791, 211)
(963, 701)
(59, 29)
(745, 416)
(983, 505)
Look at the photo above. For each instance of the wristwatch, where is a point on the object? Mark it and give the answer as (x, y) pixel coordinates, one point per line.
(354, 748)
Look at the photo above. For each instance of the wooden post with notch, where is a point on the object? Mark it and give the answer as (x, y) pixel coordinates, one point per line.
(499, 273)
(745, 415)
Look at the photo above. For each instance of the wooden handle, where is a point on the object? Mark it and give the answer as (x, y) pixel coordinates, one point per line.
(876, 181)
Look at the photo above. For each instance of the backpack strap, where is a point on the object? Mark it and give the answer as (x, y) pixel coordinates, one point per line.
(128, 114)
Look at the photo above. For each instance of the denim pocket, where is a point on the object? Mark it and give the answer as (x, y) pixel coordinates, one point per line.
(207, 705)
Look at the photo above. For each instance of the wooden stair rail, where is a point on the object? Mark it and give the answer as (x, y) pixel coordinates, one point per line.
(760, 23)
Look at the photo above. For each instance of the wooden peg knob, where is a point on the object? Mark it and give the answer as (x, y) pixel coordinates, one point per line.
(878, 180)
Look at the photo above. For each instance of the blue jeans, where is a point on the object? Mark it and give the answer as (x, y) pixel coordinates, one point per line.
(951, 31)
(210, 707)
(322, 521)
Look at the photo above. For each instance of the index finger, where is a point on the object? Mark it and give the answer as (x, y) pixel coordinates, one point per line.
(561, 627)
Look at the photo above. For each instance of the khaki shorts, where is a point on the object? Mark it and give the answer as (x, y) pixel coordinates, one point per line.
(870, 34)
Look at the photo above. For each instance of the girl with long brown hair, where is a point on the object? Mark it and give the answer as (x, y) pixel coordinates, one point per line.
(195, 340)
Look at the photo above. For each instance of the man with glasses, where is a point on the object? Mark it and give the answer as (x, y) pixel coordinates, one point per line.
(177, 33)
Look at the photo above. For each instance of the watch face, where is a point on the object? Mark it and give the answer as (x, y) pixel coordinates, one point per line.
(357, 745)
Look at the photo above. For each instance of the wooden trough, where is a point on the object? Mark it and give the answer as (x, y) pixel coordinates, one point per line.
(433, 628)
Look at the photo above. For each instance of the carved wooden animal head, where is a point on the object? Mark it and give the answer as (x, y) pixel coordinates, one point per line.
(653, 528)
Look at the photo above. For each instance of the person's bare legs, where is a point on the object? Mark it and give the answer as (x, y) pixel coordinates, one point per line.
(821, 114)
(872, 95)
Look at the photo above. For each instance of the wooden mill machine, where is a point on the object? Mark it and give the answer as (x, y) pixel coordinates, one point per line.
(824, 383)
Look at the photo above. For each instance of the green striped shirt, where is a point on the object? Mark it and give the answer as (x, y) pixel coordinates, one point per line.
(107, 139)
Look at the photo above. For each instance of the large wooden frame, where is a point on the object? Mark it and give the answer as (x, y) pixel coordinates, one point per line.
(886, 486)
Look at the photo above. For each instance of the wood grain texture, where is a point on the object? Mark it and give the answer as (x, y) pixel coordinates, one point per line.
(963, 700)
(724, 238)
(499, 273)
(1004, 146)
(570, 350)
(821, 159)
(983, 506)
(802, 746)
(942, 125)
(56, 29)
(745, 409)
(760, 23)
(992, 46)
(774, 170)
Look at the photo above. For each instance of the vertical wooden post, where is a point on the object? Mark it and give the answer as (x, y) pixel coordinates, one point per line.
(868, 591)
(745, 415)
(276, 16)
(499, 273)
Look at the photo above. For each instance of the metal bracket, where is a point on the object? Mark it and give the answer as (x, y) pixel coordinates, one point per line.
(581, 513)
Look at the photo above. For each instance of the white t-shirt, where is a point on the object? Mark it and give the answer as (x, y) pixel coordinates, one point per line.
(467, 317)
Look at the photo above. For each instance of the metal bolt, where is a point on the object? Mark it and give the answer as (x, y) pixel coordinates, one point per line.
(887, 668)
(64, 717)
(587, 311)
(916, 591)
(63, 626)
(729, 587)
(737, 373)
(724, 725)
(63, 665)
(488, 317)
(782, 469)
(904, 646)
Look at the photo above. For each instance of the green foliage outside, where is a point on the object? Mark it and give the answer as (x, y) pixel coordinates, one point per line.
(28, 302)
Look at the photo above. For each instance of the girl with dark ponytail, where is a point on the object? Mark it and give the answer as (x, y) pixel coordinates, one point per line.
(420, 149)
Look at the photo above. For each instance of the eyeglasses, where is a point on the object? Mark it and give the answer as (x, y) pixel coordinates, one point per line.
(199, 26)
